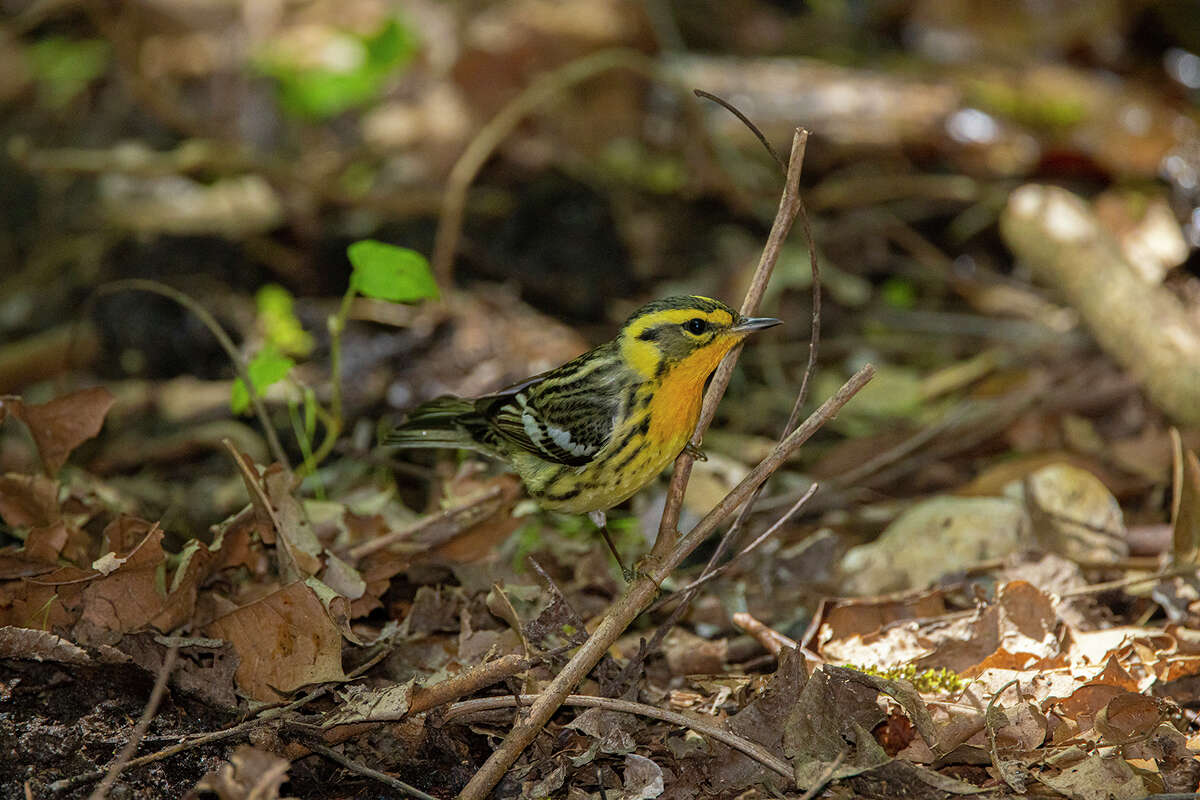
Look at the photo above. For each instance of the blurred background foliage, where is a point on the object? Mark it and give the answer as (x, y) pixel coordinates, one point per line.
(234, 149)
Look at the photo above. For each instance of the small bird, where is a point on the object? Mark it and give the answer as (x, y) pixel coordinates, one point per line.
(586, 436)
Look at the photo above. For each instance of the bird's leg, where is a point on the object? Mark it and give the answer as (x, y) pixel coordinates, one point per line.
(600, 519)
(695, 452)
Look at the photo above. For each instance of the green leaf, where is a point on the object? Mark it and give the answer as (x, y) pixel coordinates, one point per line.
(278, 321)
(386, 272)
(268, 367)
(899, 293)
(64, 67)
(391, 46)
(320, 92)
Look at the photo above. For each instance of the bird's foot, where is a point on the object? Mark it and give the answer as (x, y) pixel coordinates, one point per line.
(645, 567)
(600, 519)
(695, 452)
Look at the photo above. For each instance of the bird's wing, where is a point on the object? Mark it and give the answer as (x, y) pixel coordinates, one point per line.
(557, 422)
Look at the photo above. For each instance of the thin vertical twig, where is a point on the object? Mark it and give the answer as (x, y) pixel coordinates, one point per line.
(143, 723)
(223, 339)
(789, 205)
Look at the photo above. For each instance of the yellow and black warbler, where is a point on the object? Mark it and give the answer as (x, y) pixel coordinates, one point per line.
(587, 435)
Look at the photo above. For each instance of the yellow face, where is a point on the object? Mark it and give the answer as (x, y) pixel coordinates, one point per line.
(689, 334)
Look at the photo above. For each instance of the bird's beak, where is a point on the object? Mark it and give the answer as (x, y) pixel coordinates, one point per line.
(751, 324)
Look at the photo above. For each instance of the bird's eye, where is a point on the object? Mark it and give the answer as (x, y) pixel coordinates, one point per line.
(695, 326)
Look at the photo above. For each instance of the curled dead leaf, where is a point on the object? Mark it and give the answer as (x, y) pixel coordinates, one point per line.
(250, 774)
(1129, 716)
(62, 424)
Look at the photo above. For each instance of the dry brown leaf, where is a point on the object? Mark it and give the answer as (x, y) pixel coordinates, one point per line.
(832, 719)
(281, 516)
(482, 531)
(1096, 778)
(360, 704)
(62, 424)
(35, 645)
(643, 779)
(291, 523)
(14, 563)
(1073, 513)
(27, 501)
(1116, 675)
(45, 542)
(238, 542)
(965, 645)
(48, 602)
(1027, 610)
(762, 721)
(250, 774)
(377, 571)
(136, 595)
(845, 617)
(612, 731)
(285, 640)
(1129, 716)
(1085, 703)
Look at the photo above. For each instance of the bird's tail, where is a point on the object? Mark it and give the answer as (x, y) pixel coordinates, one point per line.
(444, 422)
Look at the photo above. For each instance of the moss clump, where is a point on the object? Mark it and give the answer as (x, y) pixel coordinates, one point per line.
(931, 681)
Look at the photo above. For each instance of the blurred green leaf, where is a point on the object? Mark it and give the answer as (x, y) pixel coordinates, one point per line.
(369, 62)
(64, 67)
(278, 321)
(386, 272)
(899, 293)
(268, 367)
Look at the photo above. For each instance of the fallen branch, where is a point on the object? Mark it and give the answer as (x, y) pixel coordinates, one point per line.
(1143, 326)
(427, 698)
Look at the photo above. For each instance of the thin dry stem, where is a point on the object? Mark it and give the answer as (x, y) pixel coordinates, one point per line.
(367, 772)
(700, 725)
(489, 137)
(448, 516)
(716, 572)
(143, 723)
(789, 205)
(218, 332)
(737, 112)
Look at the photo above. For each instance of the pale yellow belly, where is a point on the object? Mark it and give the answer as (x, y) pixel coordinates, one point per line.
(600, 485)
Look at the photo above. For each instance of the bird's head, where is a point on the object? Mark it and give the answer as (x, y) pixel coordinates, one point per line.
(688, 333)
